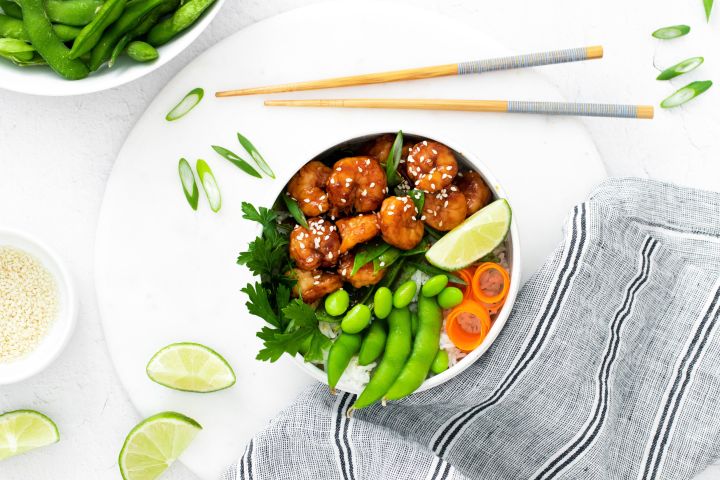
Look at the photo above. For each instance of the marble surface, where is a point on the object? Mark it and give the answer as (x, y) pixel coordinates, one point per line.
(56, 155)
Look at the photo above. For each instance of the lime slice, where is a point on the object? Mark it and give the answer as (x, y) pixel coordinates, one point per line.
(190, 367)
(154, 444)
(24, 430)
(477, 236)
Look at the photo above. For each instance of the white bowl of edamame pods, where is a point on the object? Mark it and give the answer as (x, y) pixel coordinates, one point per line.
(72, 47)
(379, 247)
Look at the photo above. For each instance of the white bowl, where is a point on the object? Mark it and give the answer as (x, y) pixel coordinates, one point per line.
(43, 81)
(61, 328)
(513, 257)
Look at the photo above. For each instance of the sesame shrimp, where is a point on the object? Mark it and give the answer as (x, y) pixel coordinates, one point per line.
(315, 246)
(355, 230)
(365, 276)
(398, 223)
(380, 149)
(432, 166)
(312, 285)
(445, 209)
(357, 183)
(477, 193)
(307, 186)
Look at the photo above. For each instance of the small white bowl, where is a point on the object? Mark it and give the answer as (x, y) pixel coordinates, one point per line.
(62, 327)
(513, 257)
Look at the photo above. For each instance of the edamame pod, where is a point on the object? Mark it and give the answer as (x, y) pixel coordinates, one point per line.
(397, 350)
(374, 343)
(77, 13)
(424, 350)
(46, 42)
(414, 323)
(342, 350)
(183, 18)
(11, 9)
(93, 32)
(441, 362)
(142, 52)
(14, 28)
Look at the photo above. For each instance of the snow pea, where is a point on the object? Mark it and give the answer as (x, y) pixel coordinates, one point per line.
(374, 343)
(46, 42)
(93, 31)
(397, 350)
(342, 350)
(424, 350)
(77, 13)
(183, 18)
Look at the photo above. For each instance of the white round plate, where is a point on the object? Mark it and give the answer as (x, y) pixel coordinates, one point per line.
(165, 273)
(45, 82)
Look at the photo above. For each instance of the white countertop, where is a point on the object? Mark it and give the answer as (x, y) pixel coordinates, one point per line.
(56, 155)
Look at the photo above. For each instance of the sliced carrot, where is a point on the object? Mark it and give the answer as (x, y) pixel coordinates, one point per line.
(490, 285)
(467, 275)
(467, 325)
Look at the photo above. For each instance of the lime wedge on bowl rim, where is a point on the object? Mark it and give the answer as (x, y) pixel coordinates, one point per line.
(476, 237)
(190, 367)
(154, 444)
(25, 430)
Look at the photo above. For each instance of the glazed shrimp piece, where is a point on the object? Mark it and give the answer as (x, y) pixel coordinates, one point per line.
(357, 183)
(365, 276)
(311, 286)
(307, 186)
(355, 230)
(432, 166)
(398, 223)
(380, 149)
(477, 193)
(445, 209)
(315, 246)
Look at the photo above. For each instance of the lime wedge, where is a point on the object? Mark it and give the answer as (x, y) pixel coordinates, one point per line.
(477, 236)
(154, 444)
(190, 367)
(24, 430)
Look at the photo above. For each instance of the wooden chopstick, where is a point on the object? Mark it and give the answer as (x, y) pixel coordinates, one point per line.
(504, 106)
(464, 68)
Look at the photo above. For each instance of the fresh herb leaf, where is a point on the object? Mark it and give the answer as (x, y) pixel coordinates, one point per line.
(235, 159)
(393, 160)
(264, 216)
(258, 304)
(387, 258)
(265, 257)
(367, 255)
(294, 209)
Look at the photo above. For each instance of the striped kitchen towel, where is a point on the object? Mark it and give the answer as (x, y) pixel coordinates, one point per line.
(608, 368)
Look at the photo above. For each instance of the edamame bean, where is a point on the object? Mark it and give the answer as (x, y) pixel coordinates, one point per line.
(441, 362)
(342, 350)
(404, 294)
(383, 302)
(356, 319)
(46, 42)
(183, 18)
(77, 13)
(374, 343)
(424, 350)
(450, 297)
(397, 350)
(434, 285)
(11, 9)
(337, 302)
(93, 31)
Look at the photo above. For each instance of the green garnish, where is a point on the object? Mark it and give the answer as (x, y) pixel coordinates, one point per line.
(294, 209)
(187, 178)
(186, 104)
(418, 198)
(393, 160)
(259, 160)
(209, 184)
(386, 259)
(433, 270)
(236, 160)
(668, 33)
(17, 51)
(368, 254)
(680, 68)
(686, 93)
(708, 4)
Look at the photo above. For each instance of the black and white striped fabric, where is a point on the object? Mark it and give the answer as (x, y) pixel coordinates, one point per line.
(608, 368)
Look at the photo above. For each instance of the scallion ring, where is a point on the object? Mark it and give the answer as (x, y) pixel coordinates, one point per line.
(393, 160)
(186, 104)
(259, 160)
(680, 68)
(294, 209)
(187, 178)
(668, 33)
(209, 184)
(686, 93)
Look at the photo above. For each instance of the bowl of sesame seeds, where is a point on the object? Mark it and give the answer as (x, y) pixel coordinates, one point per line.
(37, 306)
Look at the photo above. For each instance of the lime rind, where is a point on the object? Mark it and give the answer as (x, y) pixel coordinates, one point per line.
(28, 430)
(190, 367)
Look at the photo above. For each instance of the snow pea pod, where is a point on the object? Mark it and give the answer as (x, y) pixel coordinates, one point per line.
(93, 32)
(14, 28)
(182, 19)
(47, 43)
(11, 9)
(77, 13)
(424, 350)
(374, 343)
(342, 350)
(397, 350)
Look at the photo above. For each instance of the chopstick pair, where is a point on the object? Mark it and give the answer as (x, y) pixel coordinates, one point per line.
(464, 68)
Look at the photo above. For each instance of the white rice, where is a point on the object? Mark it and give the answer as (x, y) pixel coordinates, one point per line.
(355, 376)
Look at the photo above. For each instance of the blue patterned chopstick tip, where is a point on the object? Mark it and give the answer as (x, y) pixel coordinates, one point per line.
(581, 109)
(523, 61)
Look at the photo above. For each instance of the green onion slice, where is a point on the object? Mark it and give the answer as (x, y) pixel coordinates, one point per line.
(186, 104)
(433, 270)
(393, 160)
(708, 4)
(207, 180)
(236, 160)
(418, 198)
(294, 209)
(368, 254)
(680, 68)
(259, 160)
(668, 33)
(686, 93)
(187, 178)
